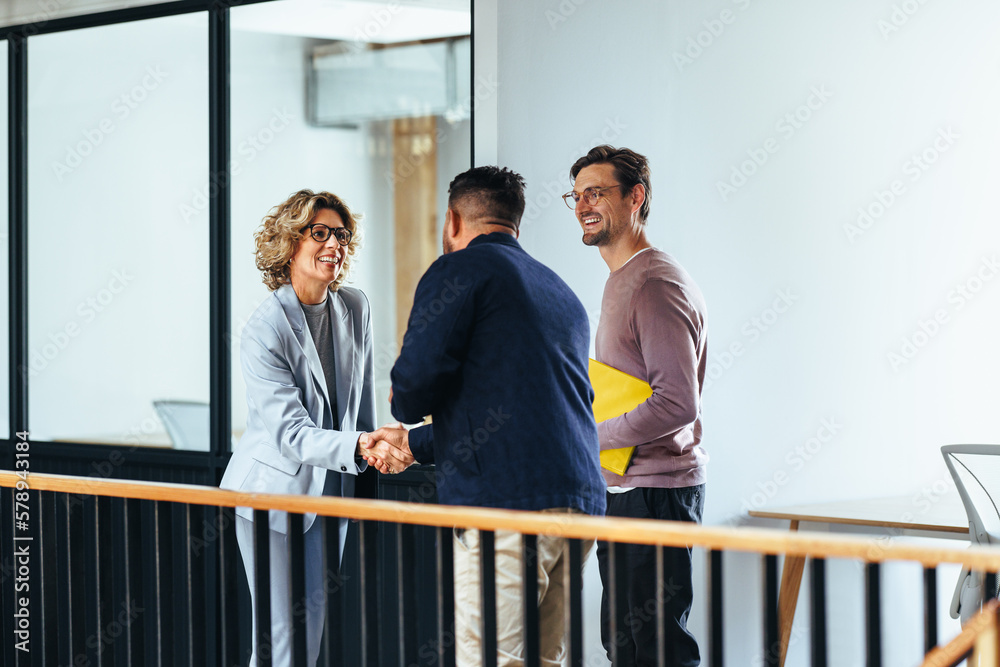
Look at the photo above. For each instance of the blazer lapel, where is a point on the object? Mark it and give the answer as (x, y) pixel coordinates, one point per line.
(342, 324)
(297, 320)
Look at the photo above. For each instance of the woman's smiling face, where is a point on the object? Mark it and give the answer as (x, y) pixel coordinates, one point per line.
(317, 264)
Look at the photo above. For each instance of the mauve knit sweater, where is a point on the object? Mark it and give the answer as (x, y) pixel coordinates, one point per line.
(653, 327)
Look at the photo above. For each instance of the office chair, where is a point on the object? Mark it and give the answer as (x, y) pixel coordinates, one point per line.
(186, 423)
(976, 471)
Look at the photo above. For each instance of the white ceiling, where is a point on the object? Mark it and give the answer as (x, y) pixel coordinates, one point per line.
(357, 20)
(18, 12)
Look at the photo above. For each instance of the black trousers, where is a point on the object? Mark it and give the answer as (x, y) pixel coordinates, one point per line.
(636, 636)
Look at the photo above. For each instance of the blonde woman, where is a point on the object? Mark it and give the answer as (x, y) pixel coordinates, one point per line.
(307, 361)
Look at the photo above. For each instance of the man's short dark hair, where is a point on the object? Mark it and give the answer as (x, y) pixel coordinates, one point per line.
(488, 192)
(631, 169)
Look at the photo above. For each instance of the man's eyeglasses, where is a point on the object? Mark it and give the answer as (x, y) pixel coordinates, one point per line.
(590, 196)
(321, 233)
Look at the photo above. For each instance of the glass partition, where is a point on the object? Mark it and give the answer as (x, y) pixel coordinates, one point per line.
(117, 268)
(322, 98)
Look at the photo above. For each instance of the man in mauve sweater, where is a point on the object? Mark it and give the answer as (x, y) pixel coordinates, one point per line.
(652, 327)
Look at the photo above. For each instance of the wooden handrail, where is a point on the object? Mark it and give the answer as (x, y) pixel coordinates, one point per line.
(640, 531)
(959, 647)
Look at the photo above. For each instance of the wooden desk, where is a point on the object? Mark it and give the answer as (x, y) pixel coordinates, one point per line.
(943, 515)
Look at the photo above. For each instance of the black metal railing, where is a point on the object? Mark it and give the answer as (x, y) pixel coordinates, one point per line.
(124, 573)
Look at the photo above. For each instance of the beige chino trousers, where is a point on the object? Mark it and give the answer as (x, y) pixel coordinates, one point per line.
(553, 561)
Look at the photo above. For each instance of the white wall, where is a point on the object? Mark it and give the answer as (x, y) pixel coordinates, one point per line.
(576, 73)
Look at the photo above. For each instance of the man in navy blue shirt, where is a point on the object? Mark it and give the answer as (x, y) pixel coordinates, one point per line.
(496, 351)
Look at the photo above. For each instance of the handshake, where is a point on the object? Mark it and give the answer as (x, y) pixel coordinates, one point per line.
(386, 449)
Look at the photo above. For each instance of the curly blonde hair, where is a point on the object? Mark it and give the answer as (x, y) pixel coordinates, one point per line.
(284, 226)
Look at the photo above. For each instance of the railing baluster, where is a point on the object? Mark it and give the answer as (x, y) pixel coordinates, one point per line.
(262, 586)
(151, 569)
(661, 612)
(817, 607)
(297, 611)
(488, 589)
(66, 618)
(716, 615)
(235, 596)
(772, 643)
(617, 597)
(165, 583)
(930, 609)
(48, 578)
(333, 632)
(873, 616)
(529, 598)
(406, 579)
(445, 597)
(119, 579)
(991, 585)
(205, 574)
(369, 594)
(134, 566)
(180, 554)
(575, 602)
(89, 574)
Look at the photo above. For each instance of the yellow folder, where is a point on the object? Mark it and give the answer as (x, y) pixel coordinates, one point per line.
(615, 393)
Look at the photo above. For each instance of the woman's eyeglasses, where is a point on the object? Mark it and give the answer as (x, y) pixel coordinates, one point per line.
(321, 233)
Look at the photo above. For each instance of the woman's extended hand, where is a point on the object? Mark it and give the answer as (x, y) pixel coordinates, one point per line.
(387, 449)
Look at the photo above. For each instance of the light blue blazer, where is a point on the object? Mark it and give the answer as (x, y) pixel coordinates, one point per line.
(290, 442)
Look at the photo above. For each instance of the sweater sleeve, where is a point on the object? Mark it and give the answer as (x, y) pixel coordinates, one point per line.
(669, 333)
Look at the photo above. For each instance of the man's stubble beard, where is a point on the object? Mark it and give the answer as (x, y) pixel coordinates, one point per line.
(603, 236)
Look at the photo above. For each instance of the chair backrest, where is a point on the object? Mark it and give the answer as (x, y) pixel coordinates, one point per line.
(186, 423)
(976, 471)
